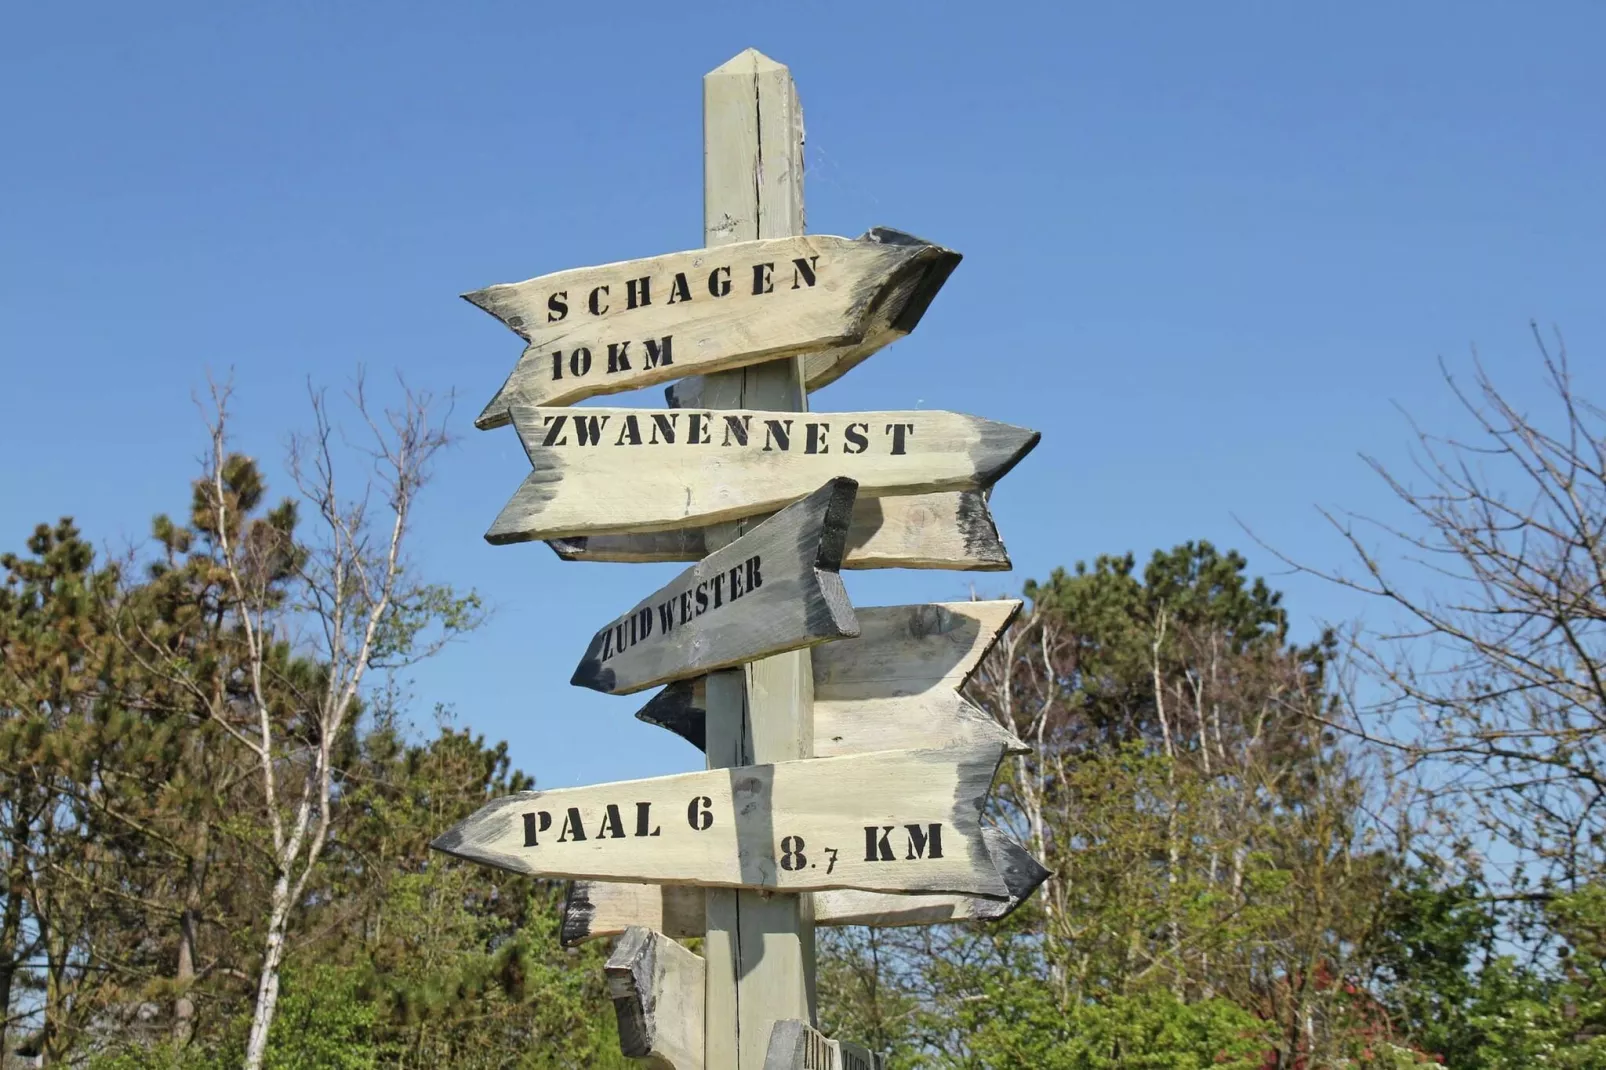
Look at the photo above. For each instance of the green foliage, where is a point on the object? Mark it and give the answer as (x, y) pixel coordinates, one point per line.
(323, 1023)
(1021, 1024)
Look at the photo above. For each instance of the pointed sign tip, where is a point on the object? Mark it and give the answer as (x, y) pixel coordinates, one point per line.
(747, 61)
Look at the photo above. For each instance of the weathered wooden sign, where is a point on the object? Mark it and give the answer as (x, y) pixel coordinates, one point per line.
(657, 991)
(595, 909)
(772, 590)
(601, 330)
(950, 529)
(903, 821)
(895, 687)
(598, 471)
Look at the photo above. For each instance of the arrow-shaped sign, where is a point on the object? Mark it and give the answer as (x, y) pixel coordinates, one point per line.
(772, 590)
(595, 909)
(895, 687)
(600, 330)
(904, 821)
(599, 471)
(951, 529)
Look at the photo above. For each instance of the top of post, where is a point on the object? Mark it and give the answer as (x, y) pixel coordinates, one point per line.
(747, 61)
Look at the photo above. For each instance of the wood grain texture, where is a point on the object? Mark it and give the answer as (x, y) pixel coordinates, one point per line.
(616, 327)
(894, 687)
(943, 530)
(796, 1045)
(759, 948)
(902, 307)
(596, 909)
(774, 589)
(598, 471)
(657, 991)
(889, 822)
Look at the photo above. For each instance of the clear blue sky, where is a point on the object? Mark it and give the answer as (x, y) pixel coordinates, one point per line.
(1207, 249)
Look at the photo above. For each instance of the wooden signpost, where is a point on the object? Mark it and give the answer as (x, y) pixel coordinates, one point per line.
(846, 774)
(945, 529)
(594, 909)
(895, 821)
(772, 590)
(598, 471)
(896, 687)
(618, 327)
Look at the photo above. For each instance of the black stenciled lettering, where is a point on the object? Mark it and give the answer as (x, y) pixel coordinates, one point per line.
(554, 428)
(897, 432)
(719, 590)
(792, 856)
(699, 814)
(663, 424)
(877, 848)
(762, 283)
(719, 284)
(557, 306)
(685, 606)
(634, 621)
(735, 575)
(594, 302)
(803, 269)
(755, 578)
(618, 357)
(621, 637)
(857, 438)
(573, 828)
(580, 362)
(613, 825)
(607, 644)
(534, 823)
(557, 364)
(777, 433)
(702, 598)
(697, 424)
(920, 840)
(816, 441)
(666, 616)
(644, 819)
(643, 624)
(588, 429)
(737, 427)
(678, 290)
(659, 352)
(635, 298)
(630, 429)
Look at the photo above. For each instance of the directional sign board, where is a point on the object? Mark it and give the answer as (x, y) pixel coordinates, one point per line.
(903, 821)
(599, 471)
(601, 330)
(951, 529)
(772, 590)
(595, 909)
(895, 687)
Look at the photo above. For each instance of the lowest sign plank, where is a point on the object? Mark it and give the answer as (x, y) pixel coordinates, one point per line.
(597, 471)
(601, 330)
(902, 821)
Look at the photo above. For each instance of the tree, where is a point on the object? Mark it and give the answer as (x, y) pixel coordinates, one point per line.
(295, 623)
(1492, 686)
(1212, 866)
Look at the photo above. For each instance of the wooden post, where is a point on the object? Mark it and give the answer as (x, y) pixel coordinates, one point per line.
(760, 947)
